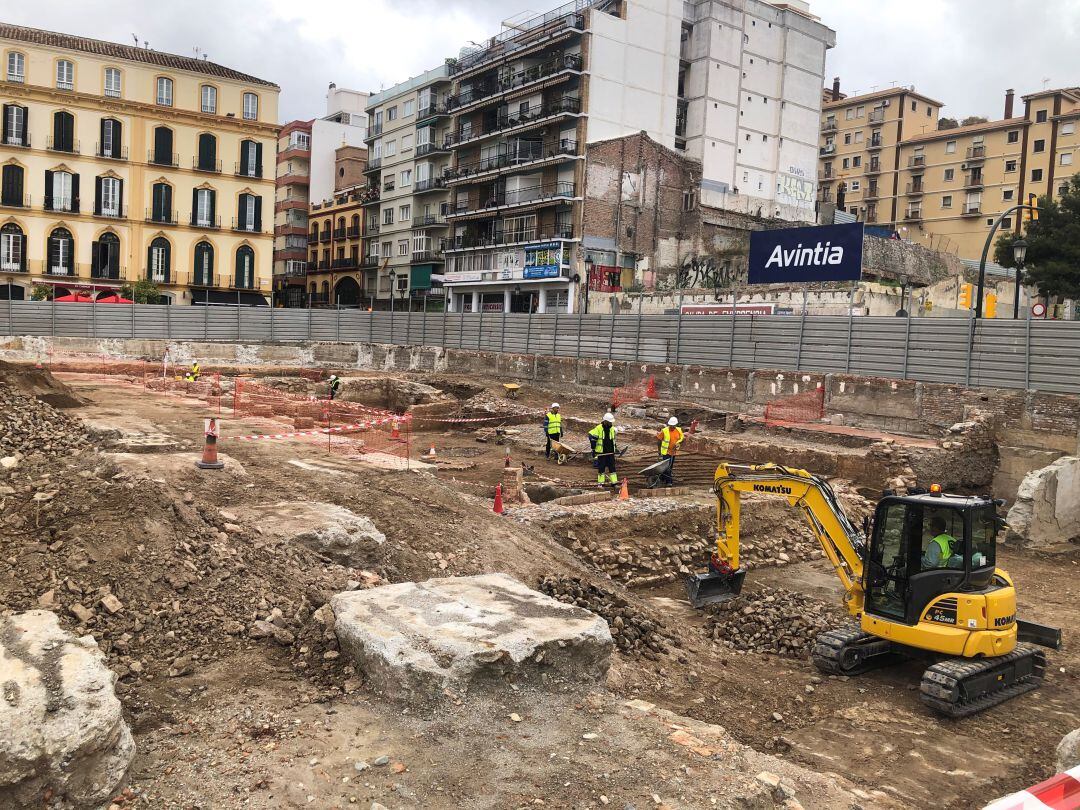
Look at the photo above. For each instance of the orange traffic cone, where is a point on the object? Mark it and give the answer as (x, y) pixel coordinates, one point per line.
(395, 431)
(624, 493)
(431, 453)
(209, 460)
(498, 508)
(650, 388)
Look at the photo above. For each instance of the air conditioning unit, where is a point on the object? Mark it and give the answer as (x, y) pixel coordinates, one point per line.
(963, 167)
(886, 103)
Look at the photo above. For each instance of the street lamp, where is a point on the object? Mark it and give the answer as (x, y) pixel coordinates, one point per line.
(393, 286)
(1020, 247)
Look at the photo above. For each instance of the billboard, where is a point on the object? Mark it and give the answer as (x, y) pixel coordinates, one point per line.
(793, 255)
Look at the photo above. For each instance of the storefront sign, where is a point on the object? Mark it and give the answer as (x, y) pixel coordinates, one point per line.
(725, 309)
(452, 278)
(793, 255)
(543, 260)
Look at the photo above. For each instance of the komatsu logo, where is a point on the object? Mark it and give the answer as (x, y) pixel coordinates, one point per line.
(1005, 621)
(777, 489)
(817, 256)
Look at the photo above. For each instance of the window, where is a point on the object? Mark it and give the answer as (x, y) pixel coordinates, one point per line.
(1066, 158)
(110, 139)
(58, 190)
(1006, 222)
(388, 216)
(161, 201)
(856, 185)
(204, 264)
(846, 164)
(59, 253)
(65, 75)
(914, 106)
(1008, 194)
(250, 159)
(407, 109)
(164, 91)
(112, 82)
(946, 201)
(203, 215)
(12, 248)
(251, 107)
(860, 111)
(406, 177)
(1010, 165)
(949, 175)
(299, 140)
(858, 136)
(11, 186)
(929, 111)
(404, 213)
(1039, 145)
(208, 98)
(16, 67)
(391, 114)
(245, 267)
(15, 125)
(1040, 116)
(847, 138)
(856, 161)
(403, 247)
(1013, 136)
(950, 147)
(1068, 128)
(1036, 175)
(387, 249)
(158, 260)
(249, 212)
(105, 257)
(63, 138)
(389, 148)
(406, 142)
(849, 113)
(207, 159)
(109, 195)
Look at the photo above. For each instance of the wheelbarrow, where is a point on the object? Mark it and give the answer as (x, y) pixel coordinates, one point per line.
(563, 453)
(656, 474)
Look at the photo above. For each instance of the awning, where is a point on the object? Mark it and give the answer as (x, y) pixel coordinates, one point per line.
(247, 299)
(420, 277)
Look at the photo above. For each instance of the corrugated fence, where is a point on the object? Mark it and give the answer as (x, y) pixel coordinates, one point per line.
(1027, 354)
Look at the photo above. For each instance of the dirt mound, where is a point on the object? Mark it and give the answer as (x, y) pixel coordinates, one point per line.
(39, 383)
(30, 426)
(771, 620)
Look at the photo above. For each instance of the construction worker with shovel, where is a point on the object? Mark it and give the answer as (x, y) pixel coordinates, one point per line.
(604, 449)
(552, 427)
(668, 441)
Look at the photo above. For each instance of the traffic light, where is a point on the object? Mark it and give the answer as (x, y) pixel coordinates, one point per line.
(965, 296)
(1033, 211)
(991, 305)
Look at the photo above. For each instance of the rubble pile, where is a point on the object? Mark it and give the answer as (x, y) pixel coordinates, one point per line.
(28, 425)
(633, 633)
(771, 620)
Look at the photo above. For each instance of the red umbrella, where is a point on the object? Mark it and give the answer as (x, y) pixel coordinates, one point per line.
(74, 298)
(114, 298)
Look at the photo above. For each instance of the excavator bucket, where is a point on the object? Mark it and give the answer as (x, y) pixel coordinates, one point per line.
(714, 587)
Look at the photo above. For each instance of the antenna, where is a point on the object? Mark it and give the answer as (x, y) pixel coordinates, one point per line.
(1046, 82)
(136, 38)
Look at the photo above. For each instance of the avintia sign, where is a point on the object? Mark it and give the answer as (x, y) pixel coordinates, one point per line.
(825, 253)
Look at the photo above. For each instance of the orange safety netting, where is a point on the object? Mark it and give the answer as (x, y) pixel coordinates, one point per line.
(637, 392)
(806, 406)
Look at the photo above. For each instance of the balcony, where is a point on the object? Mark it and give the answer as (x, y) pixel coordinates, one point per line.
(373, 229)
(370, 261)
(973, 180)
(429, 184)
(431, 148)
(345, 263)
(163, 159)
(108, 273)
(827, 149)
(160, 217)
(313, 239)
(567, 105)
(202, 279)
(522, 236)
(339, 233)
(18, 141)
(530, 195)
(373, 165)
(428, 220)
(63, 271)
(389, 185)
(112, 153)
(426, 256)
(872, 193)
(253, 171)
(431, 110)
(483, 91)
(213, 223)
(972, 209)
(64, 206)
(294, 178)
(914, 189)
(69, 147)
(873, 167)
(913, 215)
(116, 212)
(525, 155)
(829, 127)
(325, 237)
(826, 173)
(373, 132)
(212, 166)
(874, 143)
(353, 232)
(242, 226)
(157, 276)
(977, 153)
(876, 116)
(526, 34)
(916, 161)
(298, 270)
(370, 197)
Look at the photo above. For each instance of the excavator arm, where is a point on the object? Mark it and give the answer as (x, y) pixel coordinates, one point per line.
(843, 544)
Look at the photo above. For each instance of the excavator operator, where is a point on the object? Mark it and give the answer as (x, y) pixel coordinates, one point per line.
(939, 551)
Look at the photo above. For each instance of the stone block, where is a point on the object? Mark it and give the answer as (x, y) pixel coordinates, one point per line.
(1047, 508)
(326, 528)
(416, 640)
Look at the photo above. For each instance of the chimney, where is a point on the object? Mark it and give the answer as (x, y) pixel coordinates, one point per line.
(836, 88)
(1009, 103)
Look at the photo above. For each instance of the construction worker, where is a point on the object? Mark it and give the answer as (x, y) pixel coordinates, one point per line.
(335, 384)
(552, 427)
(604, 450)
(668, 441)
(940, 549)
(193, 375)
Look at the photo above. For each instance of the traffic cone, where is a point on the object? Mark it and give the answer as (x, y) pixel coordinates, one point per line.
(431, 453)
(650, 388)
(395, 431)
(624, 493)
(209, 460)
(498, 508)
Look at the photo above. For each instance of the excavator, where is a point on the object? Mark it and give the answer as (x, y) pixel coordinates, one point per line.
(920, 579)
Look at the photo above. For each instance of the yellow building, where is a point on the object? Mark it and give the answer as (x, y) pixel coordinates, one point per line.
(121, 163)
(335, 275)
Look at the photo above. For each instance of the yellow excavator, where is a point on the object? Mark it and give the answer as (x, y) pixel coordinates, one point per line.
(920, 579)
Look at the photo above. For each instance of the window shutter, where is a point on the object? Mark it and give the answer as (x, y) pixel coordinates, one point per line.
(95, 258)
(101, 136)
(258, 160)
(166, 202)
(48, 190)
(163, 146)
(150, 261)
(57, 130)
(5, 124)
(25, 133)
(194, 206)
(97, 196)
(258, 214)
(22, 252)
(117, 132)
(213, 208)
(157, 204)
(168, 261)
(120, 198)
(54, 252)
(243, 157)
(75, 193)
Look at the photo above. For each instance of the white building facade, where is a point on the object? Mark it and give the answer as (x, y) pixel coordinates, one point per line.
(345, 124)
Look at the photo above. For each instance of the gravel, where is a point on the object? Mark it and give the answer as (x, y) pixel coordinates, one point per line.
(771, 620)
(29, 426)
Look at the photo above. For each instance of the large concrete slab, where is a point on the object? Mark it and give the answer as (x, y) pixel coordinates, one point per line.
(421, 640)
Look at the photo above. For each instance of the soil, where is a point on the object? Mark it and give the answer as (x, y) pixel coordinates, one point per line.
(226, 717)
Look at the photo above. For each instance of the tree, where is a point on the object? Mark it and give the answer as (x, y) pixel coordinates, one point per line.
(974, 119)
(947, 123)
(1053, 254)
(142, 291)
(41, 292)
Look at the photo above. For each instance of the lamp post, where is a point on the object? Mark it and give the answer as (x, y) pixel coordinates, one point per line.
(1020, 247)
(393, 287)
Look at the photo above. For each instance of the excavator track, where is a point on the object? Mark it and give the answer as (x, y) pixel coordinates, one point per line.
(960, 687)
(849, 651)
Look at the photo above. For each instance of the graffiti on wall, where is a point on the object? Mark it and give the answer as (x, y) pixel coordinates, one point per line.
(707, 272)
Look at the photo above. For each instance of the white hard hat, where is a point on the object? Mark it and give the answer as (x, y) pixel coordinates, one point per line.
(333, 376)
(609, 417)
(672, 422)
(554, 404)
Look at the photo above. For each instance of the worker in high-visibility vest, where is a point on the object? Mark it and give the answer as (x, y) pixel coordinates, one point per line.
(193, 375)
(552, 427)
(335, 385)
(604, 450)
(668, 440)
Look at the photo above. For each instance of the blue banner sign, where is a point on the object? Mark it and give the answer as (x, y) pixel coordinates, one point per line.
(792, 255)
(543, 260)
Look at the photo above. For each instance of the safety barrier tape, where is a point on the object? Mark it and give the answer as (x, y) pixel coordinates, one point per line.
(1060, 792)
(456, 420)
(319, 431)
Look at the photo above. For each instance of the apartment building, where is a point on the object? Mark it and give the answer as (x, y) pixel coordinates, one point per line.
(291, 213)
(344, 124)
(121, 163)
(407, 200)
(334, 277)
(860, 160)
(736, 86)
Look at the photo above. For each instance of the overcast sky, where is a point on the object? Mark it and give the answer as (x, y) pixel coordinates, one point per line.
(962, 52)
